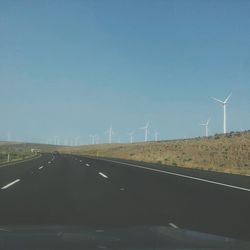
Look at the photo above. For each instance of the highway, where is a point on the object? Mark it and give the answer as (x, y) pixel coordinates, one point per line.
(75, 190)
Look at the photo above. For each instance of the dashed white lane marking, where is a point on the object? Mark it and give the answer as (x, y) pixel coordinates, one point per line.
(103, 175)
(180, 175)
(49, 162)
(99, 230)
(10, 184)
(102, 247)
(4, 230)
(87, 165)
(40, 167)
(122, 189)
(173, 225)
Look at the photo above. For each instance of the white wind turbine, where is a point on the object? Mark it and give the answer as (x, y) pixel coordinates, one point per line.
(92, 138)
(156, 136)
(8, 136)
(76, 141)
(224, 103)
(206, 126)
(131, 134)
(110, 132)
(146, 131)
(96, 139)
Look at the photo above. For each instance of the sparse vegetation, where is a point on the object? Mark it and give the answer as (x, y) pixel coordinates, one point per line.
(228, 153)
(20, 151)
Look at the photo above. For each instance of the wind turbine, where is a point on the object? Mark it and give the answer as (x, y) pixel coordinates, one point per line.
(131, 136)
(206, 126)
(146, 131)
(76, 141)
(96, 139)
(55, 140)
(110, 133)
(92, 138)
(224, 103)
(156, 136)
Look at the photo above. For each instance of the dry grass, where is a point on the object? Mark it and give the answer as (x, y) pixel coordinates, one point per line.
(225, 153)
(21, 151)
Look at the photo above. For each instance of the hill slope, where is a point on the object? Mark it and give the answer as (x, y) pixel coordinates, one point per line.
(228, 153)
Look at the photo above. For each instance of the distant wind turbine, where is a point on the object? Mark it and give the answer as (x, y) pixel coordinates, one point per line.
(131, 134)
(96, 139)
(206, 126)
(55, 140)
(146, 131)
(110, 132)
(8, 136)
(92, 138)
(224, 103)
(156, 136)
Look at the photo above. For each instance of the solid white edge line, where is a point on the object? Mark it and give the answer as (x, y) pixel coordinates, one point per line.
(173, 225)
(103, 175)
(180, 175)
(10, 184)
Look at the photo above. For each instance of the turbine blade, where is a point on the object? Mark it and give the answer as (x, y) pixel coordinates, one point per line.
(228, 98)
(218, 100)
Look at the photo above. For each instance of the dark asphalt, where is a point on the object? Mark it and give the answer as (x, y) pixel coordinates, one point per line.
(66, 191)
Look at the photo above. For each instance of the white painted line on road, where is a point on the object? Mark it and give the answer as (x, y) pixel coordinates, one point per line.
(87, 165)
(49, 162)
(99, 230)
(180, 175)
(103, 175)
(4, 230)
(10, 184)
(122, 189)
(173, 225)
(102, 247)
(40, 167)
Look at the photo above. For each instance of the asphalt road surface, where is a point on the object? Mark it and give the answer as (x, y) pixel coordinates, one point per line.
(73, 190)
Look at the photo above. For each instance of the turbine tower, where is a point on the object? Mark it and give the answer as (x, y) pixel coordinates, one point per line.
(131, 136)
(224, 103)
(146, 131)
(206, 126)
(92, 138)
(156, 136)
(96, 139)
(110, 133)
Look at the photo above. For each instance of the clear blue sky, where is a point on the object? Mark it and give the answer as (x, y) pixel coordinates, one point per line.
(71, 68)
